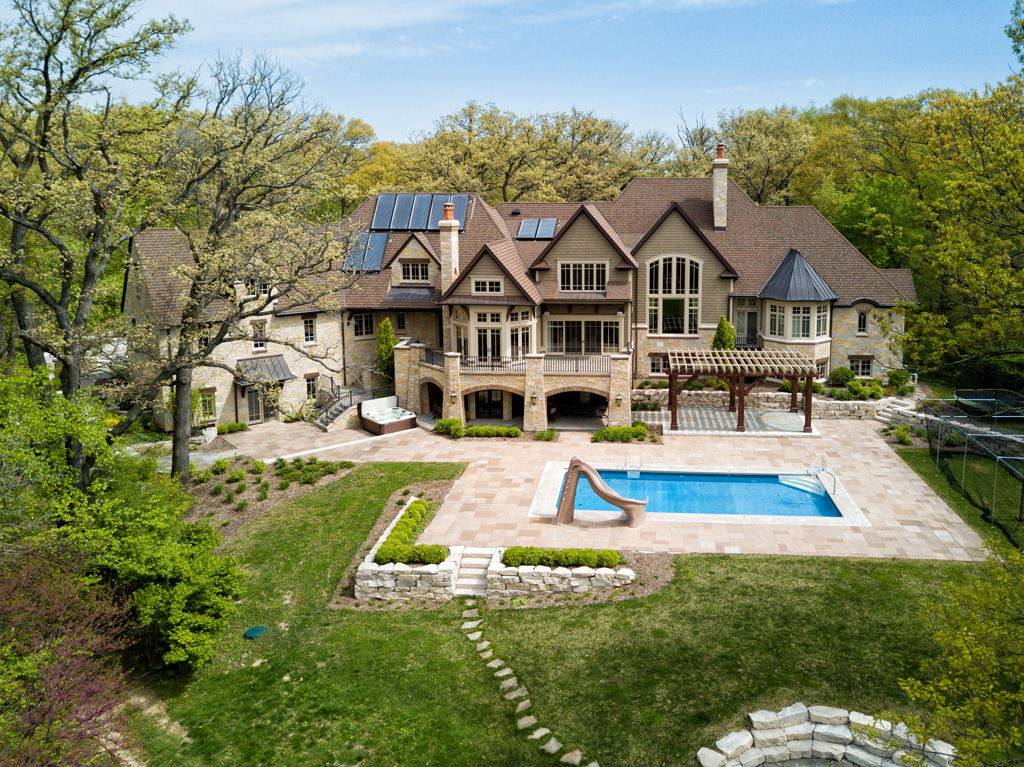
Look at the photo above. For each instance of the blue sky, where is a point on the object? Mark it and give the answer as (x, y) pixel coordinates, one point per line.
(400, 64)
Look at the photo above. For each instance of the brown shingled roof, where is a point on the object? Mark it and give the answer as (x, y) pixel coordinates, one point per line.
(162, 255)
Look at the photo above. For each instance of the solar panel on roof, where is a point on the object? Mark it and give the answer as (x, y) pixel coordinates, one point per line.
(403, 210)
(420, 212)
(382, 213)
(357, 249)
(374, 257)
(461, 202)
(528, 229)
(436, 211)
(546, 228)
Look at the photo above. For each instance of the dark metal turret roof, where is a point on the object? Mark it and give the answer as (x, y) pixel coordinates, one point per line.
(795, 280)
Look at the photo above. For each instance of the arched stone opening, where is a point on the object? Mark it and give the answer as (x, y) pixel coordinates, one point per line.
(577, 408)
(431, 399)
(494, 405)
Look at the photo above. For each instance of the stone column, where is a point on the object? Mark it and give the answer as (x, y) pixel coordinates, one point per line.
(469, 403)
(506, 406)
(452, 388)
(619, 392)
(405, 359)
(535, 406)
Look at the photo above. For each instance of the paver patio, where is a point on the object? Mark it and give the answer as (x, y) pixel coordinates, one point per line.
(489, 506)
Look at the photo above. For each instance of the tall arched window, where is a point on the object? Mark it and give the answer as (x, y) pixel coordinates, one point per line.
(673, 295)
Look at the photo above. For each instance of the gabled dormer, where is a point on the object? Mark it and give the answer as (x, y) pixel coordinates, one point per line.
(415, 264)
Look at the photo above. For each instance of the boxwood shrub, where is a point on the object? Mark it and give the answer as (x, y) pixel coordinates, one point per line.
(231, 428)
(638, 431)
(492, 431)
(516, 556)
(220, 466)
(237, 475)
(450, 427)
(398, 546)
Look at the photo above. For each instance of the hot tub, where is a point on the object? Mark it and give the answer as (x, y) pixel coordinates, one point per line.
(383, 416)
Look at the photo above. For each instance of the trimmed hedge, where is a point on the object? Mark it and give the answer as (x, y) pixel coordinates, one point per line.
(517, 556)
(398, 546)
(841, 376)
(638, 431)
(492, 431)
(450, 427)
(231, 428)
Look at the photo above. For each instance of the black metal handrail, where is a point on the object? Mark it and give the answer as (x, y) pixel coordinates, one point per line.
(433, 357)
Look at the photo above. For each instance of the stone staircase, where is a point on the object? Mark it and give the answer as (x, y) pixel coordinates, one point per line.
(895, 406)
(472, 580)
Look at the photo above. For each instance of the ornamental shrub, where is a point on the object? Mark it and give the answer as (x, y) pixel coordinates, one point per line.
(229, 498)
(264, 493)
(241, 506)
(717, 384)
(518, 556)
(203, 476)
(450, 427)
(841, 376)
(313, 460)
(906, 390)
(217, 489)
(280, 463)
(786, 386)
(695, 386)
(241, 488)
(220, 466)
(237, 475)
(298, 462)
(844, 395)
(258, 467)
(284, 484)
(725, 335)
(545, 436)
(231, 428)
(898, 378)
(902, 435)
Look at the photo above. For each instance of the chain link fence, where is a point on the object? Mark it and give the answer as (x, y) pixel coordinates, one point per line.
(983, 459)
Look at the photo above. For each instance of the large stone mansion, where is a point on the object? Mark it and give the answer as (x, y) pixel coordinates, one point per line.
(535, 311)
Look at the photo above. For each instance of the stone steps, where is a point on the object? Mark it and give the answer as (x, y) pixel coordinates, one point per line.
(472, 580)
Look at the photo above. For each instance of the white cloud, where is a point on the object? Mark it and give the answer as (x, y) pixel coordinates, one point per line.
(727, 89)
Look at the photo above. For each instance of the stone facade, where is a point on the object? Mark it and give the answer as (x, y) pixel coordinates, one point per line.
(505, 581)
(815, 736)
(847, 342)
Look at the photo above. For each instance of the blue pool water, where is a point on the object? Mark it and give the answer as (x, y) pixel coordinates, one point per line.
(758, 494)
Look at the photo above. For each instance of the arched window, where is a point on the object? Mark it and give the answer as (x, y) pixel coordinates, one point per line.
(673, 295)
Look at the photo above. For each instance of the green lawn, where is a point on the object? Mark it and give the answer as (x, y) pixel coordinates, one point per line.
(978, 481)
(636, 682)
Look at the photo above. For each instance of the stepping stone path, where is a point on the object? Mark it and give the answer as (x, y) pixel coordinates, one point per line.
(519, 694)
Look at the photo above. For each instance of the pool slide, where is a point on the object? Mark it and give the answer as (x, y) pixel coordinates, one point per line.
(636, 511)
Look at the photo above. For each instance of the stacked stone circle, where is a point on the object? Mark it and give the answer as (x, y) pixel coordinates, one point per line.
(798, 736)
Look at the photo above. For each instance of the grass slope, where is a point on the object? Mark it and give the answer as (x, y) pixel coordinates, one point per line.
(650, 682)
(391, 688)
(645, 681)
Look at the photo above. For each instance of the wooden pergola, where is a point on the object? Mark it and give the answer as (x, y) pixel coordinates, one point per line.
(735, 367)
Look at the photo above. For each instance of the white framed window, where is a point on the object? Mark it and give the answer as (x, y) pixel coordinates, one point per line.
(862, 323)
(309, 329)
(362, 325)
(582, 277)
(673, 290)
(415, 271)
(311, 387)
(776, 320)
(259, 335)
(487, 286)
(861, 367)
(801, 325)
(821, 321)
(208, 404)
(520, 338)
(657, 364)
(610, 333)
(822, 369)
(254, 286)
(400, 322)
(488, 317)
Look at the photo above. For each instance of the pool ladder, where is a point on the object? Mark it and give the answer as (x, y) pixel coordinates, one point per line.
(633, 473)
(818, 467)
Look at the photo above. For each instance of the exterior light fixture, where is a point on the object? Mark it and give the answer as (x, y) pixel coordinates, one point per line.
(618, 401)
(533, 398)
(452, 395)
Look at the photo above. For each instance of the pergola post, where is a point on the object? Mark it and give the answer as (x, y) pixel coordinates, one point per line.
(742, 386)
(792, 397)
(732, 395)
(808, 398)
(673, 397)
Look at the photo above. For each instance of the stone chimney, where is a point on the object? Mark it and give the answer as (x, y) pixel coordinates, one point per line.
(449, 247)
(720, 175)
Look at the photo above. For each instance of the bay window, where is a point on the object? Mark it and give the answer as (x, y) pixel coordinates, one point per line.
(673, 295)
(776, 320)
(801, 322)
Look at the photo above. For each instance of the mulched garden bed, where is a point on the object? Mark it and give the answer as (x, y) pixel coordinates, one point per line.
(435, 491)
(224, 516)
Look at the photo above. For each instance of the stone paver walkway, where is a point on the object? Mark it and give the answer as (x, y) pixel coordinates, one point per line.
(489, 505)
(722, 422)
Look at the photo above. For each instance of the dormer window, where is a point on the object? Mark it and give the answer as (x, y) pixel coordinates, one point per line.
(415, 271)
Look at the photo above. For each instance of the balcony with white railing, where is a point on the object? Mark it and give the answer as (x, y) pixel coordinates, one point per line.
(558, 364)
(590, 364)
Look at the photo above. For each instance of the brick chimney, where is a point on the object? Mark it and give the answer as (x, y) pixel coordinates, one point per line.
(720, 176)
(449, 247)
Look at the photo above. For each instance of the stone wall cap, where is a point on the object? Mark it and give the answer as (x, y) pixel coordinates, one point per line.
(735, 743)
(764, 720)
(582, 572)
(708, 758)
(828, 715)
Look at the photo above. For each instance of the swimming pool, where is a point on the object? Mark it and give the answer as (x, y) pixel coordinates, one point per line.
(673, 492)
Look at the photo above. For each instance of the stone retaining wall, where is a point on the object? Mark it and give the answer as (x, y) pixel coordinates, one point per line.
(820, 408)
(527, 579)
(401, 581)
(798, 736)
